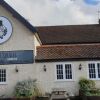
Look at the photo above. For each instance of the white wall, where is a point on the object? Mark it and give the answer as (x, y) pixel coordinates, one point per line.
(47, 80)
(36, 43)
(26, 71)
(21, 39)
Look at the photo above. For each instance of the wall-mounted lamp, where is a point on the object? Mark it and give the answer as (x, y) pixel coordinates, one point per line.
(44, 68)
(16, 69)
(80, 67)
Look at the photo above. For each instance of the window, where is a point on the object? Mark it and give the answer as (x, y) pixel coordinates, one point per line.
(2, 75)
(64, 71)
(94, 70)
(68, 71)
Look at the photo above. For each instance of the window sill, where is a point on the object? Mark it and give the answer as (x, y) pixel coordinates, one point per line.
(64, 80)
(3, 83)
(94, 79)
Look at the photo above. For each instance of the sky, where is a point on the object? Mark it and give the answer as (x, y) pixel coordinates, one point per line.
(57, 12)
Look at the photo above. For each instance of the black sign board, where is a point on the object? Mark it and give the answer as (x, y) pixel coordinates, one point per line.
(16, 57)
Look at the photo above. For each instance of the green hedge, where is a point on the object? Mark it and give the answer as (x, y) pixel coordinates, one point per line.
(87, 87)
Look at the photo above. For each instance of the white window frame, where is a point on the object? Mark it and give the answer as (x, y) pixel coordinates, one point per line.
(6, 76)
(96, 70)
(64, 75)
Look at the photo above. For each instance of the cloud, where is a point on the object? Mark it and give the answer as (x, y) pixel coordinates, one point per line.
(54, 12)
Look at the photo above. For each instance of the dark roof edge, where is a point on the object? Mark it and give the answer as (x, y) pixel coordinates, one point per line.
(18, 16)
(67, 59)
(68, 25)
(63, 43)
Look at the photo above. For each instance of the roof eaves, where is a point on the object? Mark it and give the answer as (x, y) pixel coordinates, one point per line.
(67, 59)
(64, 43)
(18, 16)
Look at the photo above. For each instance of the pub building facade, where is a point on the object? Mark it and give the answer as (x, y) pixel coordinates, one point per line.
(17, 49)
(57, 56)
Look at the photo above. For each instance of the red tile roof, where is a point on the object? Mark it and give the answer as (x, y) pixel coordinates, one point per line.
(69, 34)
(63, 52)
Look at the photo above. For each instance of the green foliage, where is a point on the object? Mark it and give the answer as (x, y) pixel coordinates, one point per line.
(86, 84)
(88, 87)
(93, 92)
(26, 88)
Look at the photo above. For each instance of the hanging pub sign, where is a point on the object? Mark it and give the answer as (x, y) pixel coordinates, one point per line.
(5, 29)
(16, 57)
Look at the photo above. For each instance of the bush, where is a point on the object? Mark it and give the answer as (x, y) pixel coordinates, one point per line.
(87, 87)
(86, 84)
(26, 88)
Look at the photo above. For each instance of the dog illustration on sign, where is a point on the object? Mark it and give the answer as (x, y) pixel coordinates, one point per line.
(3, 30)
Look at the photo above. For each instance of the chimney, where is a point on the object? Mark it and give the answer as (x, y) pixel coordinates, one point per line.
(98, 16)
(99, 21)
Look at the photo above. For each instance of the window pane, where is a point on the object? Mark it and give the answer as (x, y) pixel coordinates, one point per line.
(68, 71)
(92, 72)
(2, 75)
(98, 68)
(59, 69)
